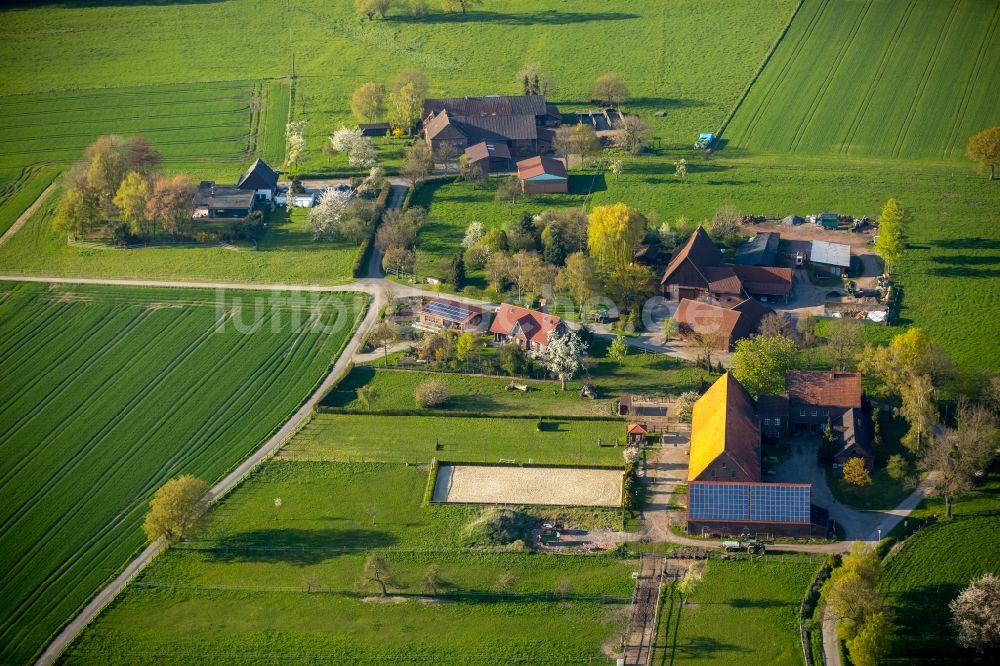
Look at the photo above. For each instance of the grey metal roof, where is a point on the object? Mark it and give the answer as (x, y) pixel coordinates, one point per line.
(832, 254)
(761, 250)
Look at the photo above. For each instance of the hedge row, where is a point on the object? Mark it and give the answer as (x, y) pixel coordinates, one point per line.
(365, 249)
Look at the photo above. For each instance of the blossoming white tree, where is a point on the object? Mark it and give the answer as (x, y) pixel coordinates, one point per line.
(563, 356)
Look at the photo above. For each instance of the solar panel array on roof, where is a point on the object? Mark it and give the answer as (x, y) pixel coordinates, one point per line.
(452, 311)
(749, 502)
(719, 501)
(774, 503)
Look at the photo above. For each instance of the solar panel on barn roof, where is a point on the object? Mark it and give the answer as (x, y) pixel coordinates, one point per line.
(452, 311)
(749, 502)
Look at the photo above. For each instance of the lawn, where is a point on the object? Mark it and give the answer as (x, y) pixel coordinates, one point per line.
(835, 83)
(455, 439)
(239, 592)
(640, 373)
(107, 392)
(744, 612)
(930, 571)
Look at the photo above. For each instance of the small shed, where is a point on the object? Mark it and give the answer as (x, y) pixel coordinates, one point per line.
(540, 175)
(374, 129)
(830, 259)
(635, 434)
(489, 156)
(304, 200)
(829, 221)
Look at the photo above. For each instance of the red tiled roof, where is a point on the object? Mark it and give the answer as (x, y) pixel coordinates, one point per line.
(700, 249)
(823, 388)
(515, 321)
(723, 280)
(765, 280)
(538, 165)
(487, 149)
(732, 319)
(636, 429)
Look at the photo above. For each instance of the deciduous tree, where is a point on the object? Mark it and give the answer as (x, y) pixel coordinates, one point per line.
(418, 163)
(363, 153)
(563, 355)
(169, 204)
(131, 199)
(843, 342)
(612, 235)
(295, 144)
(984, 150)
(405, 105)
(975, 613)
(633, 135)
(434, 580)
(609, 89)
(382, 336)
(74, 214)
(618, 349)
(578, 279)
(377, 571)
(891, 241)
(464, 5)
(578, 139)
(431, 393)
(415, 78)
(958, 455)
(368, 100)
(398, 260)
(871, 644)
(175, 508)
(325, 216)
(856, 474)
(630, 285)
(760, 363)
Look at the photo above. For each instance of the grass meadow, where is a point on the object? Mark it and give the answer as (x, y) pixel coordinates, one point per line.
(108, 392)
(930, 571)
(21, 193)
(744, 612)
(241, 591)
(286, 254)
(420, 438)
(835, 83)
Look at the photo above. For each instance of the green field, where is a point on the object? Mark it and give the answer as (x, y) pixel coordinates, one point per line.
(107, 392)
(237, 594)
(743, 613)
(931, 570)
(334, 51)
(414, 439)
(21, 193)
(838, 81)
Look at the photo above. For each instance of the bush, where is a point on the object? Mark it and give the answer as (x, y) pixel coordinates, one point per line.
(500, 527)
(431, 393)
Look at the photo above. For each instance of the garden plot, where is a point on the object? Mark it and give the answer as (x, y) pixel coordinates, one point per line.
(563, 486)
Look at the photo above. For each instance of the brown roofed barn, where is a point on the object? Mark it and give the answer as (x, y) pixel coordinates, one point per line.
(542, 174)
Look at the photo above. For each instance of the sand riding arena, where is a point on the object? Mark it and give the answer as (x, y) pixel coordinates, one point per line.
(504, 484)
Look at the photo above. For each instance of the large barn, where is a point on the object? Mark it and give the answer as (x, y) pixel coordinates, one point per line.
(725, 492)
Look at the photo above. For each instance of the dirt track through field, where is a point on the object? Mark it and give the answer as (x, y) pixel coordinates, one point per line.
(29, 211)
(528, 485)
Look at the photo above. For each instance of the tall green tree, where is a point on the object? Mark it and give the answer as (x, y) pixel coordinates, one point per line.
(609, 89)
(131, 199)
(618, 349)
(613, 232)
(760, 363)
(578, 279)
(405, 106)
(464, 5)
(891, 241)
(74, 214)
